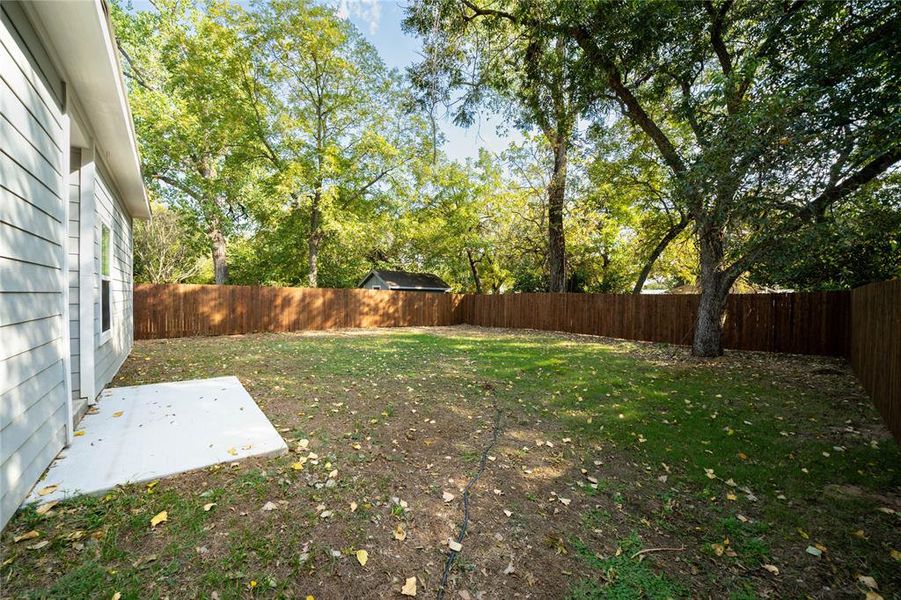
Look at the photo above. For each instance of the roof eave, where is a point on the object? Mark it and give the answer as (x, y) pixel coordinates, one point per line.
(82, 39)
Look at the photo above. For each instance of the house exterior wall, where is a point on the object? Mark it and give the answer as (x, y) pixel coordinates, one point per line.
(374, 282)
(33, 259)
(54, 200)
(109, 354)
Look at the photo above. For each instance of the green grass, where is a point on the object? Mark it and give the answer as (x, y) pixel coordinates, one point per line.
(754, 437)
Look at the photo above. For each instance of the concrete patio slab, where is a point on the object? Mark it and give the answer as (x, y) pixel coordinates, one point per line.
(147, 432)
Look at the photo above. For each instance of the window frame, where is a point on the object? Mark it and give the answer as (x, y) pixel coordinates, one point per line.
(106, 334)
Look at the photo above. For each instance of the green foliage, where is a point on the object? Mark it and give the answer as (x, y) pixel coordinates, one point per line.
(169, 249)
(750, 138)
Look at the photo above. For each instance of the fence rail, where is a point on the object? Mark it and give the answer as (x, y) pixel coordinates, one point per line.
(862, 324)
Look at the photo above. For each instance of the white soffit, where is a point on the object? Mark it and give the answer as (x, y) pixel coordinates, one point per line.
(79, 32)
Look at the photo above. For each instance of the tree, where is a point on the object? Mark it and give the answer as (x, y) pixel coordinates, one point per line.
(854, 243)
(470, 62)
(330, 119)
(167, 249)
(766, 115)
(181, 64)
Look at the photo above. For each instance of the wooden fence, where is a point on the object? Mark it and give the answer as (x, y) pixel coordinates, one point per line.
(875, 352)
(807, 323)
(863, 324)
(165, 311)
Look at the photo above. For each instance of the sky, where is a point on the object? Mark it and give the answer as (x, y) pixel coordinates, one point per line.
(380, 22)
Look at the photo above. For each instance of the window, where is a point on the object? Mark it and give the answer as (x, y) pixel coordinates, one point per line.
(376, 287)
(106, 248)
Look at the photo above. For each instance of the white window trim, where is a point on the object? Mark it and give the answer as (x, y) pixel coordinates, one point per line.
(107, 335)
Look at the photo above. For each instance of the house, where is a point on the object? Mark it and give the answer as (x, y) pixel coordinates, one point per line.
(403, 281)
(70, 186)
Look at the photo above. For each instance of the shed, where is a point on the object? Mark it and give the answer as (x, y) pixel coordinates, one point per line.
(403, 281)
(70, 186)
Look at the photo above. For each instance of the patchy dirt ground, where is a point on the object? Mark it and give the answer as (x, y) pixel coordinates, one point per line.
(621, 470)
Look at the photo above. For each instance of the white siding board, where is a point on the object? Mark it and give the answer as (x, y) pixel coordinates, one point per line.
(24, 246)
(20, 398)
(23, 184)
(27, 463)
(33, 246)
(26, 277)
(20, 116)
(20, 428)
(27, 307)
(26, 82)
(108, 357)
(45, 152)
(20, 213)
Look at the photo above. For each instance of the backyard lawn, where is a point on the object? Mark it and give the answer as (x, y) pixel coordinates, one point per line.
(620, 470)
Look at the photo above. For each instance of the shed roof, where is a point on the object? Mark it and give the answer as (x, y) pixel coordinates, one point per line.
(405, 280)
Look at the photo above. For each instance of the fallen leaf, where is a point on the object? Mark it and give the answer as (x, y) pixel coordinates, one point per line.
(814, 551)
(509, 569)
(718, 549)
(161, 517)
(298, 466)
(270, 506)
(896, 554)
(26, 536)
(447, 496)
(207, 507)
(362, 557)
(118, 413)
(772, 569)
(873, 596)
(353, 507)
(79, 433)
(454, 545)
(39, 545)
(508, 513)
(116, 596)
(409, 588)
(233, 452)
(47, 490)
(565, 501)
(43, 509)
(399, 533)
(868, 581)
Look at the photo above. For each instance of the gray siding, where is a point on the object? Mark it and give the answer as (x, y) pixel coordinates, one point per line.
(33, 248)
(110, 354)
(373, 282)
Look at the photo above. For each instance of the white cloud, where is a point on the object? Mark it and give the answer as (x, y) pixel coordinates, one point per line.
(368, 11)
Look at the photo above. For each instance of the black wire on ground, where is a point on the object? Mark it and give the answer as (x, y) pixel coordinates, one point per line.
(452, 554)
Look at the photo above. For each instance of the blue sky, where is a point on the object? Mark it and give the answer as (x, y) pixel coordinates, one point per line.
(380, 22)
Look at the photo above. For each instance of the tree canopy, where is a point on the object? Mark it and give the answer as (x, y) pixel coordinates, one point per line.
(708, 143)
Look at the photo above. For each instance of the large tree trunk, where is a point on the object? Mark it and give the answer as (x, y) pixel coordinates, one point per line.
(220, 263)
(556, 238)
(314, 241)
(715, 284)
